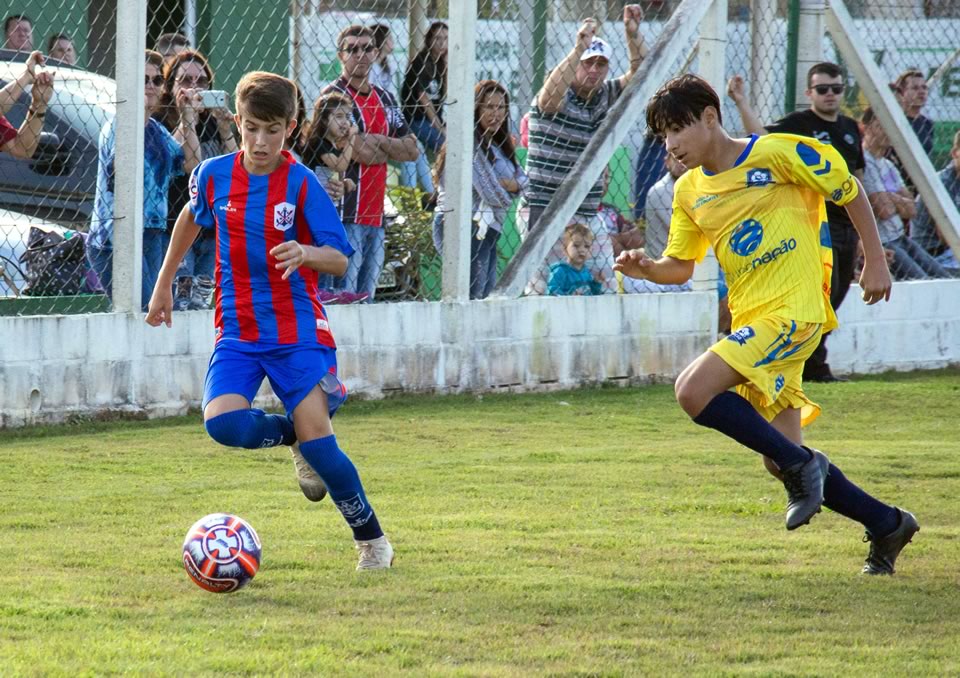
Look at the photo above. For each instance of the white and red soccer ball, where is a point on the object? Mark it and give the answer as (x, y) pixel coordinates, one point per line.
(221, 553)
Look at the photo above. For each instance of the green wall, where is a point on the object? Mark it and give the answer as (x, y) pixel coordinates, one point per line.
(243, 35)
(54, 17)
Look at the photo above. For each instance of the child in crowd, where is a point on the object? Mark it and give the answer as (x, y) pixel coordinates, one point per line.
(276, 231)
(571, 277)
(327, 146)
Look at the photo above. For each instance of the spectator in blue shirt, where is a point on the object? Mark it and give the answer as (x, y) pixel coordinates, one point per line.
(165, 157)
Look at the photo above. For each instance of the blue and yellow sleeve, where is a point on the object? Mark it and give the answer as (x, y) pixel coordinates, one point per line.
(818, 166)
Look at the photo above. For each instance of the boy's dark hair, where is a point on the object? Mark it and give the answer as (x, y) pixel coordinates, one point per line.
(154, 59)
(266, 96)
(56, 37)
(681, 102)
(826, 68)
(354, 31)
(169, 40)
(14, 18)
(900, 83)
(577, 228)
(379, 33)
(316, 129)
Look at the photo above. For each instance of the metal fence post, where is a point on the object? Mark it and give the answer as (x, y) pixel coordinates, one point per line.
(458, 168)
(128, 181)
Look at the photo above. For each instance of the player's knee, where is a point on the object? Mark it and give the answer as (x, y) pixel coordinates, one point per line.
(688, 396)
(233, 429)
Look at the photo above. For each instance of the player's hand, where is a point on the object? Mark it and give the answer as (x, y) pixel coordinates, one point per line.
(737, 89)
(632, 16)
(875, 283)
(160, 309)
(586, 34)
(290, 256)
(634, 263)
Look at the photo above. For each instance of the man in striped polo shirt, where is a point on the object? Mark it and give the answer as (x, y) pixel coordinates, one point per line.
(569, 108)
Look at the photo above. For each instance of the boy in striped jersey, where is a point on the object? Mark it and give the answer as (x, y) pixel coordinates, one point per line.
(276, 230)
(759, 203)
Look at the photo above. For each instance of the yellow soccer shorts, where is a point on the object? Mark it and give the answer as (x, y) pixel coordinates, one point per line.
(769, 352)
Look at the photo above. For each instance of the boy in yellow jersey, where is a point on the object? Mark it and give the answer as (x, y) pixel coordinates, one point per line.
(759, 202)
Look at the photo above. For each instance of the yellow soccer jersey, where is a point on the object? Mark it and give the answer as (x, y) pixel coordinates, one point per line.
(766, 221)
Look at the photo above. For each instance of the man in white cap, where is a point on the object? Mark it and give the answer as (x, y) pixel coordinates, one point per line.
(569, 108)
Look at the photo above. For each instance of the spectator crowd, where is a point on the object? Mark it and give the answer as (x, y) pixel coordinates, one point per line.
(374, 122)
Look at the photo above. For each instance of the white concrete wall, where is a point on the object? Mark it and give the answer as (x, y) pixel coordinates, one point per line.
(57, 367)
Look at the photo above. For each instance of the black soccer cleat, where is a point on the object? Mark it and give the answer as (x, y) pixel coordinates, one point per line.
(804, 483)
(884, 550)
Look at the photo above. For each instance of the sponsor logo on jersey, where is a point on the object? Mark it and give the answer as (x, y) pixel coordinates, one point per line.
(283, 216)
(703, 200)
(746, 237)
(759, 176)
(743, 335)
(228, 207)
(778, 384)
(785, 247)
(323, 325)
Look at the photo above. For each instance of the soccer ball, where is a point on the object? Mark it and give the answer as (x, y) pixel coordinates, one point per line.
(221, 553)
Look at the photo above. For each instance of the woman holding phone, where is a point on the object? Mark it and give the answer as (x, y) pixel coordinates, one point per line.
(188, 82)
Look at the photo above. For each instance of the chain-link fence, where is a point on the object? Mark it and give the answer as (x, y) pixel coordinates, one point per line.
(544, 80)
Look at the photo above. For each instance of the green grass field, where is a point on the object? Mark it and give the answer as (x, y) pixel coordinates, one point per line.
(595, 532)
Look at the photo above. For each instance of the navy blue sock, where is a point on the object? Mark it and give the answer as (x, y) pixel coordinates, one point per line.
(842, 496)
(250, 429)
(734, 416)
(343, 483)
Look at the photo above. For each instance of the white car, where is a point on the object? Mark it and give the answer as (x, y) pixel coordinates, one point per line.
(59, 182)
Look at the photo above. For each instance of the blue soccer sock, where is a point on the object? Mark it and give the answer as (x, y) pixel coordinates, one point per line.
(251, 429)
(734, 416)
(842, 496)
(343, 483)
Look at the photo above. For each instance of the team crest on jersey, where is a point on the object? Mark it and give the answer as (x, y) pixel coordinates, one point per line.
(194, 189)
(283, 216)
(742, 335)
(759, 176)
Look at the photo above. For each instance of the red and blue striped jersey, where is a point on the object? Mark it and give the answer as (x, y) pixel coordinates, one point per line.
(252, 214)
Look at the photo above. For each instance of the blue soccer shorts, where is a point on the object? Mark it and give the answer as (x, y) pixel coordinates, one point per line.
(770, 352)
(239, 368)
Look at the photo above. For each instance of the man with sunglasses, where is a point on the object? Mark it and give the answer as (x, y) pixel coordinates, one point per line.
(824, 122)
(384, 135)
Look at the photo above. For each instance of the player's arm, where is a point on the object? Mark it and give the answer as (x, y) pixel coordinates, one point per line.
(185, 231)
(875, 279)
(291, 255)
(663, 271)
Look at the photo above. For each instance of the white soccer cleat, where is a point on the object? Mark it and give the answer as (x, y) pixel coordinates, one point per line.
(376, 554)
(311, 484)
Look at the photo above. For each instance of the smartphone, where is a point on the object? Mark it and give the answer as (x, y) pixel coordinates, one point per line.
(213, 98)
